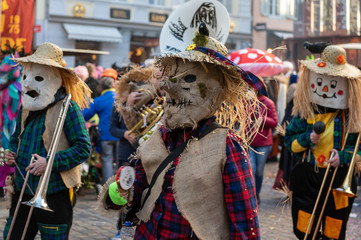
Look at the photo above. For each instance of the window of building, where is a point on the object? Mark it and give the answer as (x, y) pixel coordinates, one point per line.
(157, 2)
(228, 4)
(280, 8)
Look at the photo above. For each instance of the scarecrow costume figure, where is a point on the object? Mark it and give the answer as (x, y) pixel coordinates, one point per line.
(135, 91)
(193, 178)
(45, 83)
(327, 92)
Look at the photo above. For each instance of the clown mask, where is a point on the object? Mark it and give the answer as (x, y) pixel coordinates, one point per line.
(192, 94)
(39, 85)
(328, 91)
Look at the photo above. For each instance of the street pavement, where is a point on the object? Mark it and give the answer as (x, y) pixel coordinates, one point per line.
(275, 217)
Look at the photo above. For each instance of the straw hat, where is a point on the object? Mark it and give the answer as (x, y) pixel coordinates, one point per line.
(333, 63)
(46, 54)
(208, 50)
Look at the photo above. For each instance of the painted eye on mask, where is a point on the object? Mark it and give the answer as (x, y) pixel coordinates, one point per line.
(39, 78)
(333, 83)
(190, 78)
(319, 81)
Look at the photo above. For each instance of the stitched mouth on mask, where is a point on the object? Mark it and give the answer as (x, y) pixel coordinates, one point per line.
(179, 103)
(32, 93)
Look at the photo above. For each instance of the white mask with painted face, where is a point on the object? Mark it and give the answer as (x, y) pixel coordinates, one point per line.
(39, 85)
(328, 91)
(192, 94)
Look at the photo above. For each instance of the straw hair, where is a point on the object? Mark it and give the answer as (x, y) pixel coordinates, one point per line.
(238, 111)
(304, 108)
(79, 90)
(302, 103)
(354, 103)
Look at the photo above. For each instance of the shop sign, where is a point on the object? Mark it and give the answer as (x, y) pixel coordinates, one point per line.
(120, 13)
(37, 28)
(157, 17)
(151, 42)
(137, 39)
(17, 21)
(260, 27)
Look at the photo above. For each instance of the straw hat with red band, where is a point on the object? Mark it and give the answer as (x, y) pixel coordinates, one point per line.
(51, 55)
(333, 63)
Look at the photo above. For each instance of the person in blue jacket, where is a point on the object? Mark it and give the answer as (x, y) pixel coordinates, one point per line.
(102, 106)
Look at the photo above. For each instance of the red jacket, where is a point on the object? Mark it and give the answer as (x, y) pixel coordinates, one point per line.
(264, 135)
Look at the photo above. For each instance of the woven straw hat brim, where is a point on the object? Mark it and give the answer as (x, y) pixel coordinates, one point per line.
(338, 70)
(38, 60)
(195, 56)
(44, 61)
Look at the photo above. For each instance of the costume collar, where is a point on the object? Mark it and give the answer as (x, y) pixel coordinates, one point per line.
(108, 90)
(177, 136)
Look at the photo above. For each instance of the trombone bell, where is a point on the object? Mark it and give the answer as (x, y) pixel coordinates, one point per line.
(346, 185)
(345, 190)
(38, 202)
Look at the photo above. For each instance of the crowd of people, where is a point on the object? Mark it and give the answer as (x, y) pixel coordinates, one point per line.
(220, 126)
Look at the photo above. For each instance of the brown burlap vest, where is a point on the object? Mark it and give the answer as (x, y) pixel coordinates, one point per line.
(198, 182)
(71, 177)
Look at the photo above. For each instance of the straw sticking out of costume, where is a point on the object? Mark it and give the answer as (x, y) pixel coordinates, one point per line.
(287, 195)
(284, 47)
(238, 110)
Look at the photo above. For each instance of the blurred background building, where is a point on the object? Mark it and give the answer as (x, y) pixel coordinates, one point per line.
(273, 23)
(120, 31)
(124, 31)
(334, 21)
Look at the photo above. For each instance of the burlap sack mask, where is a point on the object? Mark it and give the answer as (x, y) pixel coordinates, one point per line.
(206, 58)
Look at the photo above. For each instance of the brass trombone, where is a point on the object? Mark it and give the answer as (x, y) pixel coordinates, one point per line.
(345, 187)
(39, 199)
